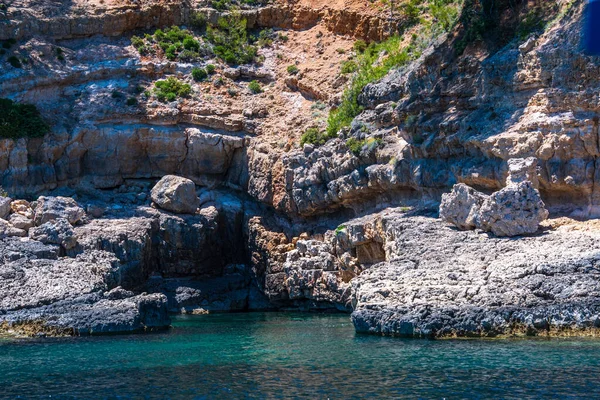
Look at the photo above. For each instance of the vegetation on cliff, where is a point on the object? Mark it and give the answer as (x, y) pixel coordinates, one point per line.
(20, 121)
(230, 39)
(376, 60)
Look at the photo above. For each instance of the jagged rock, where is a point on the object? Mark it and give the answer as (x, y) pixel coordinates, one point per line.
(51, 208)
(461, 206)
(5, 206)
(515, 210)
(8, 230)
(20, 221)
(22, 207)
(523, 169)
(176, 194)
(58, 231)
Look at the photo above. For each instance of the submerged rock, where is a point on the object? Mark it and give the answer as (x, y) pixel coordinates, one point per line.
(176, 194)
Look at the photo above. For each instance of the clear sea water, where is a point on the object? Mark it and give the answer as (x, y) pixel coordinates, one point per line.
(287, 355)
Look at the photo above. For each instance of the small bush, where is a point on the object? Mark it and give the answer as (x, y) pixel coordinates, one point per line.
(210, 69)
(255, 87)
(230, 40)
(265, 38)
(20, 121)
(292, 70)
(355, 146)
(349, 67)
(219, 82)
(198, 20)
(283, 38)
(360, 46)
(132, 101)
(189, 43)
(232, 92)
(14, 61)
(199, 74)
(316, 137)
(171, 88)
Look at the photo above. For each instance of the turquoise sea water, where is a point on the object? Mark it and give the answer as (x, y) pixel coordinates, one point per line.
(279, 355)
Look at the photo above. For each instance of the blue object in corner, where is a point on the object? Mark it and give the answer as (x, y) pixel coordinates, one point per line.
(591, 34)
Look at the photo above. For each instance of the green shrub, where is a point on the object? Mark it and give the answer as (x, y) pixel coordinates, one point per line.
(292, 70)
(232, 92)
(171, 88)
(210, 69)
(445, 13)
(132, 101)
(265, 38)
(360, 46)
(316, 137)
(349, 67)
(198, 20)
(14, 61)
(199, 74)
(21, 121)
(189, 43)
(116, 94)
(230, 40)
(255, 87)
(283, 38)
(355, 146)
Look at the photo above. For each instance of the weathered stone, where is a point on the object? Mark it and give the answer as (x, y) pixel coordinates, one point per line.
(461, 206)
(57, 231)
(22, 207)
(8, 230)
(176, 194)
(523, 169)
(51, 208)
(515, 210)
(5, 206)
(20, 221)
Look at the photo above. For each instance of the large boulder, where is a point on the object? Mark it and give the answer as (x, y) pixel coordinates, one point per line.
(515, 210)
(461, 206)
(58, 231)
(176, 194)
(5, 206)
(51, 208)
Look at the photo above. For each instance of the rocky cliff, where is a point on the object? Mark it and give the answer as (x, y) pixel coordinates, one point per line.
(340, 223)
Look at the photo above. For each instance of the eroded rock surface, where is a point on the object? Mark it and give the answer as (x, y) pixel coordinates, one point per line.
(439, 283)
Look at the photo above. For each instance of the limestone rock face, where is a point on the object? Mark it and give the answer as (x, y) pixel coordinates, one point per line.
(515, 210)
(176, 194)
(51, 208)
(5, 206)
(57, 231)
(471, 284)
(523, 169)
(461, 206)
